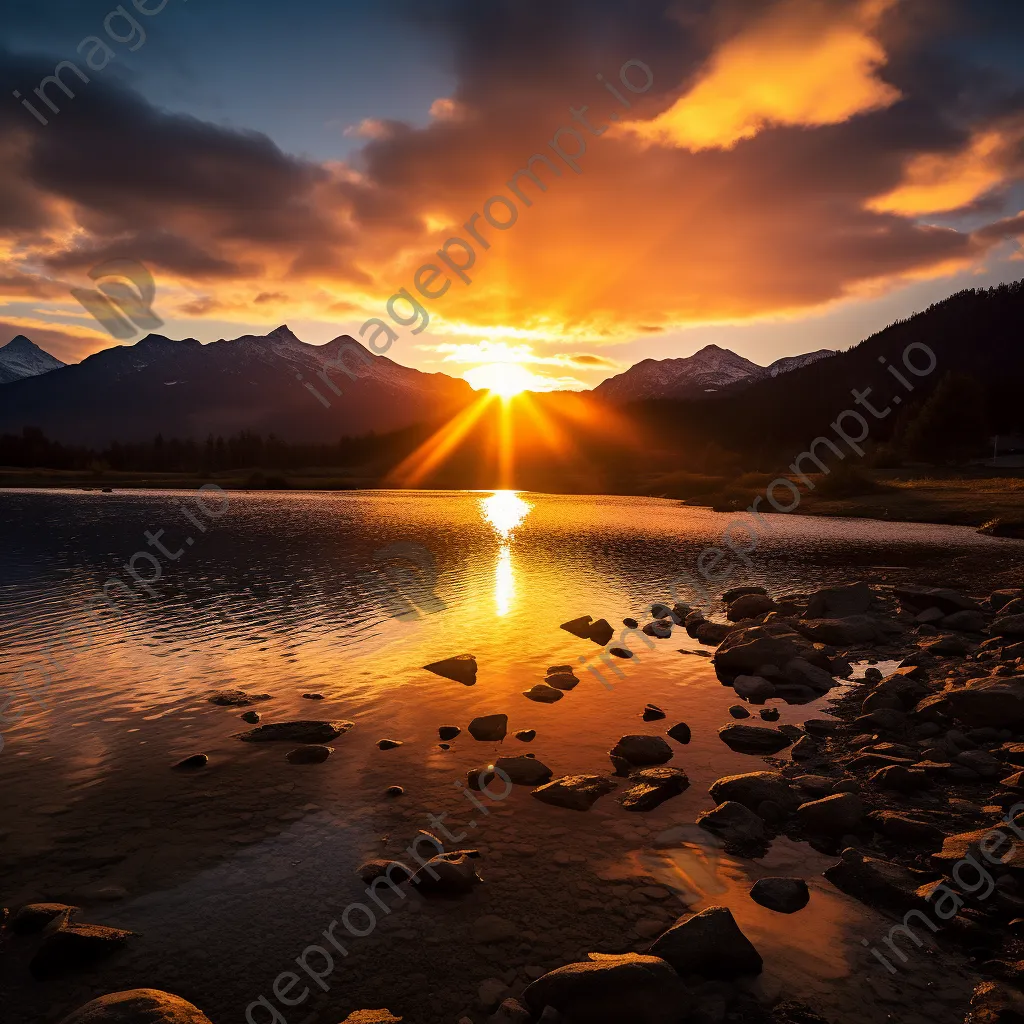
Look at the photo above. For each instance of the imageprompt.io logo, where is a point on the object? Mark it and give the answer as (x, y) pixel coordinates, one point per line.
(123, 302)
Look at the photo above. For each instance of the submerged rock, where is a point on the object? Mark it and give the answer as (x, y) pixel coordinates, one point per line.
(448, 874)
(543, 694)
(448, 732)
(236, 698)
(137, 1006)
(783, 895)
(734, 823)
(652, 787)
(525, 735)
(191, 763)
(680, 733)
(296, 732)
(313, 753)
(754, 788)
(461, 669)
(642, 750)
(753, 739)
(489, 728)
(709, 944)
(610, 989)
(562, 680)
(575, 792)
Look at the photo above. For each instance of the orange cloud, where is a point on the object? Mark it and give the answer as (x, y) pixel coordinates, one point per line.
(806, 63)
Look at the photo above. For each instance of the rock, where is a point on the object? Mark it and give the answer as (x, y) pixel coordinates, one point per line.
(805, 748)
(737, 592)
(899, 779)
(137, 1006)
(489, 728)
(735, 824)
(447, 874)
(744, 651)
(511, 1011)
(312, 696)
(749, 606)
(601, 632)
(191, 763)
(562, 680)
(965, 621)
(236, 698)
(662, 629)
(680, 611)
(609, 990)
(754, 788)
(946, 600)
(1009, 626)
(575, 792)
(525, 735)
(783, 895)
(461, 669)
(877, 882)
(995, 1002)
(840, 602)
(490, 992)
(999, 843)
(296, 732)
(448, 732)
(524, 770)
(929, 615)
(947, 645)
(386, 744)
(836, 815)
(74, 946)
(394, 791)
(652, 713)
(652, 787)
(643, 750)
(378, 867)
(902, 829)
(853, 629)
(753, 739)
(712, 633)
(578, 627)
(769, 714)
(34, 917)
(371, 1017)
(801, 672)
(491, 928)
(990, 701)
(313, 753)
(709, 944)
(620, 652)
(543, 694)
(739, 711)
(660, 611)
(753, 688)
(999, 598)
(680, 733)
(631, 623)
(980, 761)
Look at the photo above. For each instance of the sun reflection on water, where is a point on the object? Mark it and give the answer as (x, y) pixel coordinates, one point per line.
(504, 510)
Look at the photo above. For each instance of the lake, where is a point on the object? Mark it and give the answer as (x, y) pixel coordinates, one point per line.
(229, 873)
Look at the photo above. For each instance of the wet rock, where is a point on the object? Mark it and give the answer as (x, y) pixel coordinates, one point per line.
(137, 1006)
(489, 728)
(34, 917)
(601, 632)
(236, 698)
(562, 680)
(903, 829)
(783, 895)
(840, 602)
(448, 732)
(948, 601)
(314, 753)
(296, 732)
(982, 844)
(652, 713)
(631, 623)
(448, 874)
(980, 761)
(836, 815)
(712, 633)
(995, 1002)
(800, 672)
(965, 622)
(1011, 626)
(659, 628)
(739, 711)
(543, 694)
(643, 750)
(680, 733)
(461, 669)
(879, 883)
(75, 946)
(853, 629)
(680, 611)
(511, 1011)
(252, 717)
(753, 688)
(745, 651)
(652, 787)
(753, 788)
(526, 735)
(524, 770)
(620, 652)
(749, 606)
(805, 749)
(387, 744)
(709, 944)
(378, 867)
(578, 627)
(394, 791)
(312, 696)
(191, 763)
(609, 990)
(753, 739)
(769, 714)
(575, 792)
(947, 645)
(660, 611)
(734, 824)
(899, 779)
(991, 701)
(737, 592)
(491, 928)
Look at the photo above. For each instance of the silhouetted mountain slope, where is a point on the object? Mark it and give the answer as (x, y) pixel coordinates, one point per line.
(21, 358)
(186, 389)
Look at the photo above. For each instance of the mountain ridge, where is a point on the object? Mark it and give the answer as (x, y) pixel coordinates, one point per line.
(21, 358)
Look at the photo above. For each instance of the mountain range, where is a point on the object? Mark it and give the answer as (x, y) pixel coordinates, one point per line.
(20, 358)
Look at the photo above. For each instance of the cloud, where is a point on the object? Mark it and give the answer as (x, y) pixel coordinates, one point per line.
(804, 63)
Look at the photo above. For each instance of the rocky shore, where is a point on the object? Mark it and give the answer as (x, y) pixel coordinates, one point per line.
(915, 786)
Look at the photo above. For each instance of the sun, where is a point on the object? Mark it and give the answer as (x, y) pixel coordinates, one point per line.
(503, 379)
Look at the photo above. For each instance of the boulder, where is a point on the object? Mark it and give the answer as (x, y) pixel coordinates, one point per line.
(610, 989)
(745, 651)
(601, 632)
(734, 824)
(839, 602)
(995, 1002)
(756, 689)
(712, 633)
(643, 750)
(903, 829)
(739, 711)
(998, 840)
(652, 713)
(783, 895)
(753, 739)
(805, 748)
(754, 788)
(990, 701)
(524, 770)
(946, 600)
(379, 867)
(651, 787)
(34, 917)
(1011, 626)
(543, 694)
(879, 883)
(749, 606)
(74, 946)
(137, 1006)
(562, 680)
(836, 815)
(800, 672)
(900, 779)
(709, 944)
(680, 733)
(296, 732)
(575, 792)
(853, 629)
(511, 1011)
(578, 627)
(737, 592)
(447, 874)
(965, 621)
(999, 598)
(235, 699)
(489, 728)
(461, 669)
(659, 628)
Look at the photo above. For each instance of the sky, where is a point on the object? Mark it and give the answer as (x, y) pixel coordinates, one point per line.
(771, 176)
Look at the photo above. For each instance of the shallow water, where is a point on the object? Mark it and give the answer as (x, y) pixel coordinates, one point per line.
(229, 873)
